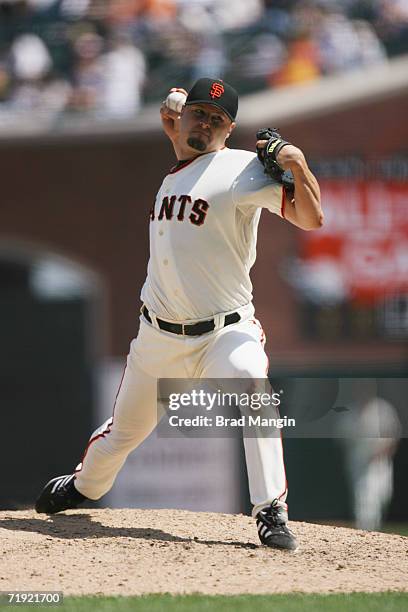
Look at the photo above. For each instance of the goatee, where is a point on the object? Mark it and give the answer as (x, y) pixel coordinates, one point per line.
(196, 143)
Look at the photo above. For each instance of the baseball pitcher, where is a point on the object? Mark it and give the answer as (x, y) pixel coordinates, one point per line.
(197, 317)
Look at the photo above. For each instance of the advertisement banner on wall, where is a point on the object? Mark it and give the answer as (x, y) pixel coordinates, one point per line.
(364, 241)
(358, 261)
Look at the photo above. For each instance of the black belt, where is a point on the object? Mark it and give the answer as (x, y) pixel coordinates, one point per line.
(196, 329)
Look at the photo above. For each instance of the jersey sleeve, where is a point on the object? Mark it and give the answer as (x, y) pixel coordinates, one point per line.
(253, 189)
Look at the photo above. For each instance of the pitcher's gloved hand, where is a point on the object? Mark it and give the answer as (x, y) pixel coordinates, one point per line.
(267, 155)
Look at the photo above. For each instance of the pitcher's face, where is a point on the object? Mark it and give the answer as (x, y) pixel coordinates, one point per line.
(204, 127)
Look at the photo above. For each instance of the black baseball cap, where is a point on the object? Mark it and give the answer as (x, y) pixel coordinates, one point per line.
(216, 92)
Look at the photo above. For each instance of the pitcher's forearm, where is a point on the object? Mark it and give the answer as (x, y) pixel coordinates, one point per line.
(305, 209)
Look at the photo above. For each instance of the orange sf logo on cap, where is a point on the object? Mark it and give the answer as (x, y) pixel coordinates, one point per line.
(216, 91)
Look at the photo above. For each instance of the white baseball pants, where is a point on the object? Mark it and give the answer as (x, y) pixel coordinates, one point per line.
(235, 351)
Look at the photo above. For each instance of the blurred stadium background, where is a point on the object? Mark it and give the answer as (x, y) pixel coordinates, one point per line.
(82, 155)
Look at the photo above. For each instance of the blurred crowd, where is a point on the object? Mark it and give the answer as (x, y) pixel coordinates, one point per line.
(108, 57)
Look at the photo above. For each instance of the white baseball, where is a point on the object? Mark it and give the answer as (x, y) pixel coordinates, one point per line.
(175, 101)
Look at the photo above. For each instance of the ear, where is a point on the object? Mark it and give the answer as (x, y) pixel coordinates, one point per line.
(231, 128)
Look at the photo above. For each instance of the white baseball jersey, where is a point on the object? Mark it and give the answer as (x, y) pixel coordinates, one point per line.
(203, 233)
(203, 239)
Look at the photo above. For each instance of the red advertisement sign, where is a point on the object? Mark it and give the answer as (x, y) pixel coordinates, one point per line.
(361, 253)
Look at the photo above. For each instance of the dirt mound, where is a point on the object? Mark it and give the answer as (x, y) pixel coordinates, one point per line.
(154, 551)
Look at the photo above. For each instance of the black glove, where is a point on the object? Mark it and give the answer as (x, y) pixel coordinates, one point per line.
(267, 157)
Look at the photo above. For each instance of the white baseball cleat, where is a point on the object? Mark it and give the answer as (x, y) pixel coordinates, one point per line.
(272, 527)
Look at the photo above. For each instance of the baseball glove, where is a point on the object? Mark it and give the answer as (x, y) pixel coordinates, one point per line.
(267, 157)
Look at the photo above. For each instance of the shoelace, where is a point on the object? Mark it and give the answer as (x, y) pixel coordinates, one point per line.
(63, 487)
(273, 515)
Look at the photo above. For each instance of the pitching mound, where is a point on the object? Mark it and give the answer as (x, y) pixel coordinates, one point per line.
(139, 551)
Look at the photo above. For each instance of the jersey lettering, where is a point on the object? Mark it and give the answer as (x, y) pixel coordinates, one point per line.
(183, 199)
(167, 208)
(199, 211)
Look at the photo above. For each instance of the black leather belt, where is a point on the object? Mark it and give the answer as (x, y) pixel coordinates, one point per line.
(196, 329)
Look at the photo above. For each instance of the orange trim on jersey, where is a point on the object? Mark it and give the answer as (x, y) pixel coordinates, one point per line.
(283, 460)
(105, 431)
(283, 202)
(284, 471)
(263, 336)
(176, 168)
(263, 340)
(101, 435)
(267, 365)
(285, 490)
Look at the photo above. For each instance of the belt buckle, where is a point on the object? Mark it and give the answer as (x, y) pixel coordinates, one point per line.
(182, 329)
